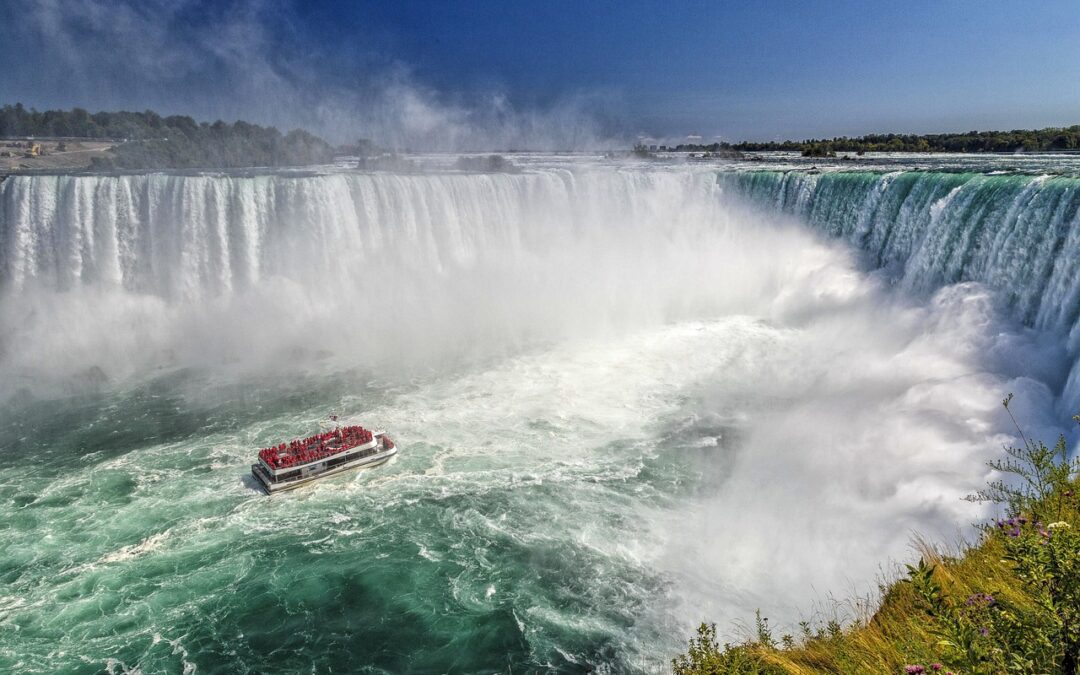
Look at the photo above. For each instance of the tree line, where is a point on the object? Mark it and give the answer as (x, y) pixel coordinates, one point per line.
(151, 141)
(1017, 140)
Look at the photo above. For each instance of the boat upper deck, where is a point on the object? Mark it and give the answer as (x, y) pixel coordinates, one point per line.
(299, 452)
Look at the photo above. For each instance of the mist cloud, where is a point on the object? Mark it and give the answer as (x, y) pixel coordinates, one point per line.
(243, 59)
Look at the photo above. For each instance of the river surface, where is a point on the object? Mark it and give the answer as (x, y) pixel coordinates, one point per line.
(629, 397)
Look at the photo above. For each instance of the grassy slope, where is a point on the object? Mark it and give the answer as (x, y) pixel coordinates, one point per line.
(1035, 609)
(899, 632)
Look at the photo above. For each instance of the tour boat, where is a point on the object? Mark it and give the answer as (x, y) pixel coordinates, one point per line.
(301, 461)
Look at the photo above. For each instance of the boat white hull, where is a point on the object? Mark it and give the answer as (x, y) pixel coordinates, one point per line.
(271, 487)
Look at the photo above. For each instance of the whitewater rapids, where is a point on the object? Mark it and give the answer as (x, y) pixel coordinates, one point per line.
(626, 403)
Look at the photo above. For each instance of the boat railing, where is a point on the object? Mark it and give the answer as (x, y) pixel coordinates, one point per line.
(296, 472)
(275, 471)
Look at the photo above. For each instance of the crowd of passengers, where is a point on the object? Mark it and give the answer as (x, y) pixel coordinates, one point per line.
(314, 448)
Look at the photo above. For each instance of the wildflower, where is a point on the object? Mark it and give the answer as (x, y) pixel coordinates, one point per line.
(936, 666)
(1061, 524)
(1014, 532)
(980, 599)
(984, 632)
(914, 670)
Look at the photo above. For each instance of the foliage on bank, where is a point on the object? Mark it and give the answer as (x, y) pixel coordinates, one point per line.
(222, 146)
(1010, 604)
(1018, 140)
(148, 141)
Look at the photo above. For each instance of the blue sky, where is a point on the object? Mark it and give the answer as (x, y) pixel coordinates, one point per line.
(555, 72)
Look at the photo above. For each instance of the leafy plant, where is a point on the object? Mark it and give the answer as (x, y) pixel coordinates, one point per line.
(1041, 476)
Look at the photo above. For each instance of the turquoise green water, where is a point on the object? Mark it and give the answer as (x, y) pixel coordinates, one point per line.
(133, 536)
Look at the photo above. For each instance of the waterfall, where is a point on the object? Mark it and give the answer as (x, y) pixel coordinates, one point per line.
(492, 258)
(190, 237)
(1018, 234)
(390, 268)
